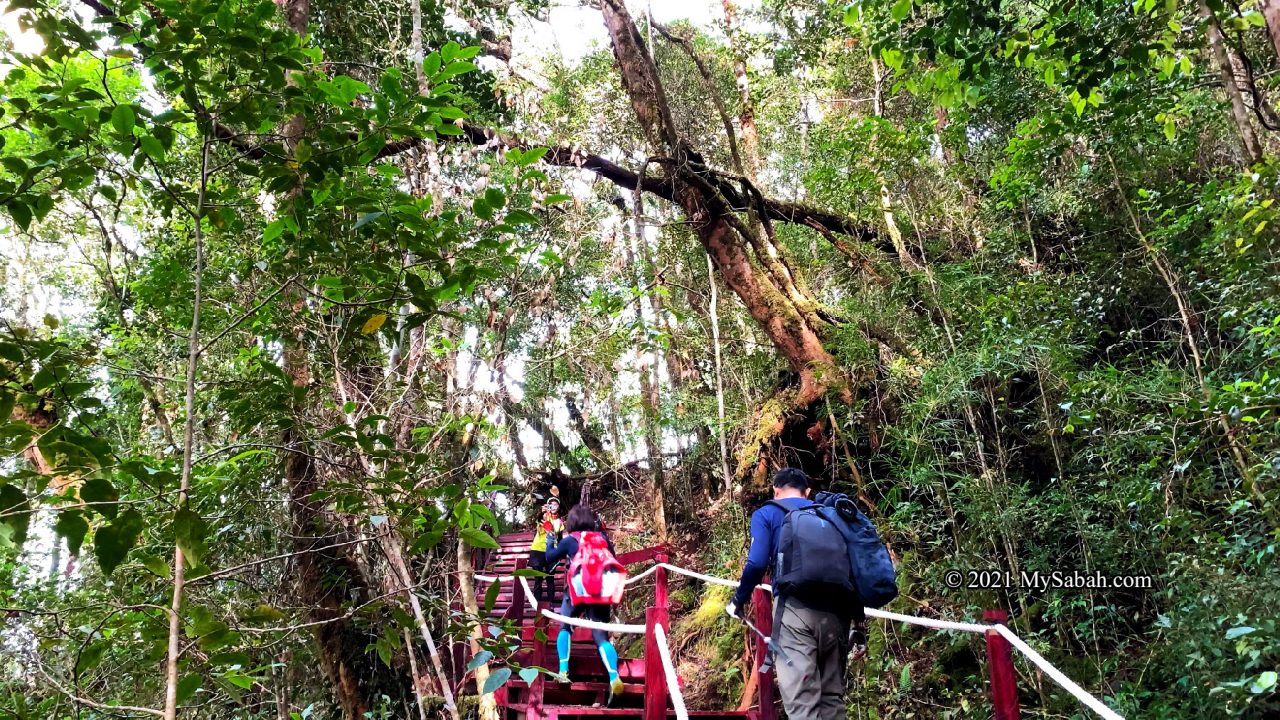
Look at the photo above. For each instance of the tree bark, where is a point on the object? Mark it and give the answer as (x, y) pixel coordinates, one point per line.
(792, 333)
(1271, 12)
(188, 443)
(467, 583)
(1218, 49)
(746, 113)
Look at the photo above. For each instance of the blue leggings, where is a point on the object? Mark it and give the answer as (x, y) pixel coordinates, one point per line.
(596, 613)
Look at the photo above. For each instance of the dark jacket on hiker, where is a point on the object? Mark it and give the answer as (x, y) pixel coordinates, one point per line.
(810, 634)
(766, 533)
(568, 547)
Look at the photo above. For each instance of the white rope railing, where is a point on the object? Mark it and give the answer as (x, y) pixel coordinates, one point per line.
(669, 668)
(1067, 683)
(579, 622)
(1036, 658)
(927, 622)
(689, 573)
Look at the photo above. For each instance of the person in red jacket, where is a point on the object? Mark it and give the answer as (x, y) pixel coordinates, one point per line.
(583, 526)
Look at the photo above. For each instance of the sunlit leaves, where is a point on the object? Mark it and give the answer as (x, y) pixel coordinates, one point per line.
(478, 538)
(123, 119)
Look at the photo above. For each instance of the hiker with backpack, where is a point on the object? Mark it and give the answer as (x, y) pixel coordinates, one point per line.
(593, 584)
(827, 562)
(546, 534)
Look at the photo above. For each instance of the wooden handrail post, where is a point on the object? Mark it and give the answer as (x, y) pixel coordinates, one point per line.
(541, 658)
(517, 593)
(660, 579)
(1004, 681)
(655, 678)
(762, 609)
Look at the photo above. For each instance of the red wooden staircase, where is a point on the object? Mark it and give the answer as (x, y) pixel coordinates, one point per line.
(645, 692)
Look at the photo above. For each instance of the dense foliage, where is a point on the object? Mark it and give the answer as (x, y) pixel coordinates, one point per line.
(288, 329)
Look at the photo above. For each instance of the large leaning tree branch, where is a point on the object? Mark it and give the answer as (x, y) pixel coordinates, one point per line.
(727, 185)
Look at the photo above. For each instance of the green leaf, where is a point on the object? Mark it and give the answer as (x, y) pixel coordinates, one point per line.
(477, 538)
(263, 613)
(1242, 630)
(491, 596)
(152, 147)
(91, 656)
(241, 681)
(15, 513)
(112, 543)
(272, 231)
(453, 70)
(189, 530)
(101, 496)
(1263, 682)
(892, 58)
(123, 119)
(532, 156)
(155, 565)
(20, 213)
(900, 10)
(187, 687)
(481, 658)
(72, 526)
(521, 217)
(528, 675)
(497, 679)
(495, 198)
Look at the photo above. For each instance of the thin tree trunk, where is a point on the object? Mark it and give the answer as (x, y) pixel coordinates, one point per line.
(649, 402)
(886, 202)
(396, 559)
(1239, 113)
(727, 477)
(467, 583)
(708, 85)
(418, 678)
(1271, 12)
(747, 115)
(188, 444)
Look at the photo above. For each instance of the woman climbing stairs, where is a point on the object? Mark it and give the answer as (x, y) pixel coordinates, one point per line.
(586, 693)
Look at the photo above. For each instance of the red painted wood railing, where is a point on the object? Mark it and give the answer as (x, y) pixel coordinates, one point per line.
(1004, 691)
(1004, 681)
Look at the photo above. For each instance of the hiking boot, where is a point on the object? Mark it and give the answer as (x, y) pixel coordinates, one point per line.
(615, 689)
(562, 678)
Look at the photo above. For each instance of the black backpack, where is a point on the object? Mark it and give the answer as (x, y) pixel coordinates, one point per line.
(812, 556)
(828, 547)
(874, 577)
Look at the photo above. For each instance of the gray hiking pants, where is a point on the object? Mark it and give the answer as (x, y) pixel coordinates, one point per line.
(815, 643)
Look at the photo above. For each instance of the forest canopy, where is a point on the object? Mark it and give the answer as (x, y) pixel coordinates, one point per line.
(305, 303)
